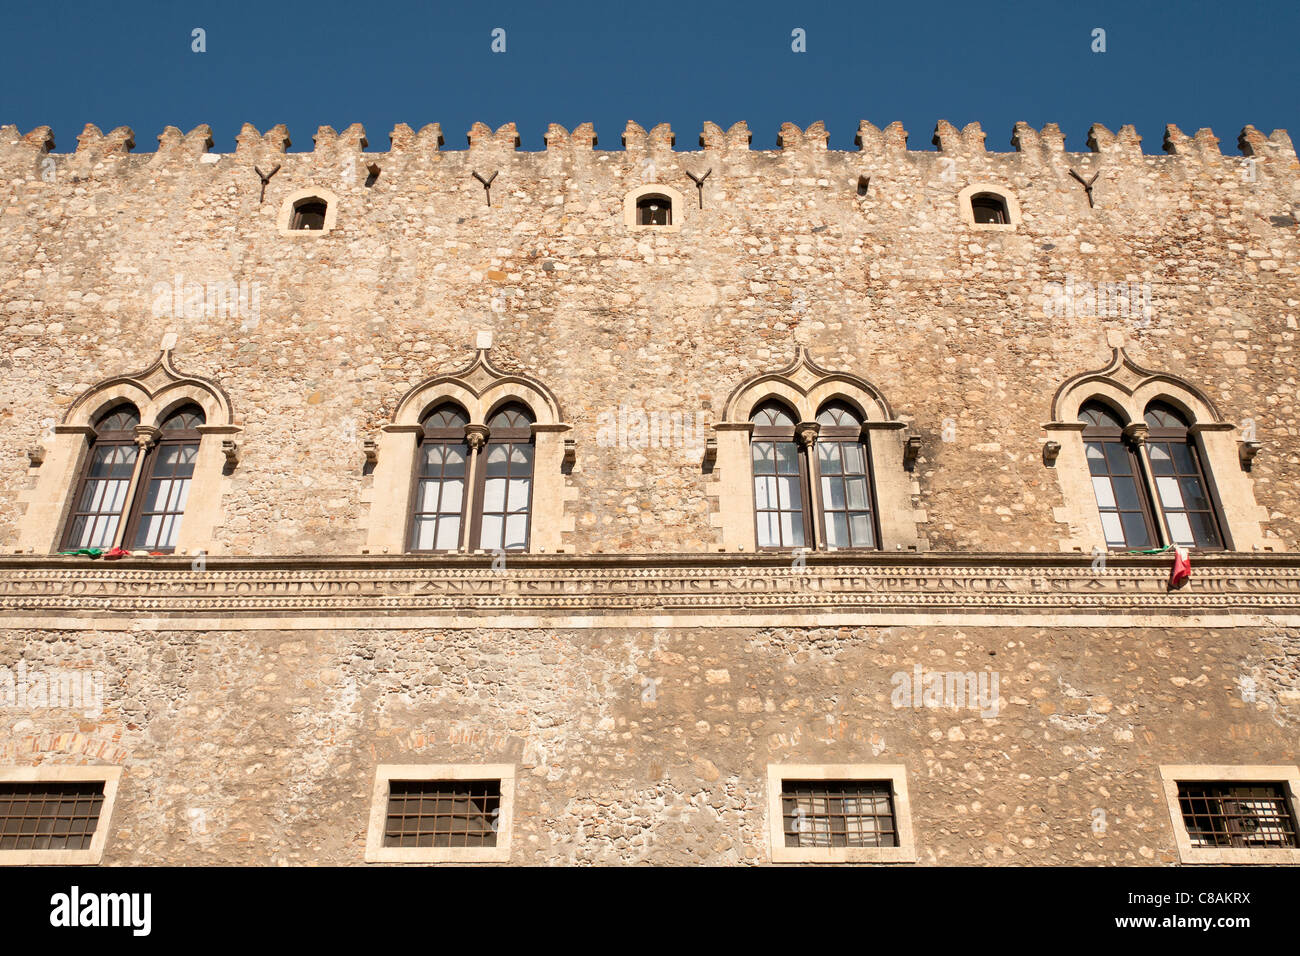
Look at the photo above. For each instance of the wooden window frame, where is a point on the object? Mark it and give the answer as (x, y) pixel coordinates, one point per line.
(99, 440)
(502, 436)
(845, 434)
(448, 435)
(162, 437)
(782, 435)
(1184, 435)
(1104, 435)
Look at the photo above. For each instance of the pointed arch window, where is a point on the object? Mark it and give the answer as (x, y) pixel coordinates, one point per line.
(441, 471)
(844, 472)
(780, 477)
(1185, 497)
(1113, 463)
(103, 488)
(505, 481)
(165, 481)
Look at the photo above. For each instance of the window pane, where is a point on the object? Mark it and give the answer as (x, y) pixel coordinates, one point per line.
(857, 494)
(768, 530)
(1113, 528)
(1135, 530)
(1170, 495)
(1180, 529)
(498, 457)
(1096, 458)
(1194, 494)
(1204, 530)
(448, 533)
(837, 530)
(1126, 494)
(864, 535)
(422, 537)
(764, 458)
(490, 539)
(828, 458)
(516, 531)
(1102, 488)
(1183, 458)
(1161, 463)
(1118, 458)
(787, 458)
(854, 463)
(764, 492)
(792, 529)
(833, 493)
(494, 494)
(519, 494)
(791, 497)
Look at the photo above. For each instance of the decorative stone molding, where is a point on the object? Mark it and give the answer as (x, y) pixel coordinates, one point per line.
(1002, 192)
(536, 590)
(806, 387)
(1130, 388)
(155, 392)
(284, 220)
(480, 388)
(654, 189)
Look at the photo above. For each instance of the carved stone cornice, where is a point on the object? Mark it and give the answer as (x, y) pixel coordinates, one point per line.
(1127, 590)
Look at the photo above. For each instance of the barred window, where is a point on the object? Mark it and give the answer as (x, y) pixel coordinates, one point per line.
(54, 815)
(1223, 814)
(441, 464)
(505, 481)
(838, 813)
(442, 813)
(103, 489)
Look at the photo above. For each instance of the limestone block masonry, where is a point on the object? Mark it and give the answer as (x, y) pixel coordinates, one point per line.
(641, 675)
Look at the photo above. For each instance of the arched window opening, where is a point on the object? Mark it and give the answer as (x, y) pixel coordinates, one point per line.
(309, 214)
(844, 474)
(780, 477)
(1117, 483)
(1181, 487)
(989, 208)
(441, 471)
(505, 480)
(654, 210)
(103, 489)
(166, 476)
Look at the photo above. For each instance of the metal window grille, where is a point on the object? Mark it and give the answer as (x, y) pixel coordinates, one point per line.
(450, 813)
(1237, 815)
(831, 813)
(49, 816)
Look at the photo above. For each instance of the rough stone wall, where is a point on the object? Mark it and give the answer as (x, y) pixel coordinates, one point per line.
(947, 321)
(260, 747)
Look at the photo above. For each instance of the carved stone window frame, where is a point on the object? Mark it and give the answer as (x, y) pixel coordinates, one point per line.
(376, 852)
(284, 220)
(1173, 774)
(480, 389)
(894, 774)
(653, 189)
(1130, 388)
(805, 387)
(155, 392)
(109, 776)
(1002, 192)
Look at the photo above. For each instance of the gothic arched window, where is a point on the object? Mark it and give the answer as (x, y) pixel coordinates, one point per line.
(1181, 487)
(505, 480)
(780, 477)
(441, 470)
(1117, 482)
(103, 489)
(165, 481)
(844, 479)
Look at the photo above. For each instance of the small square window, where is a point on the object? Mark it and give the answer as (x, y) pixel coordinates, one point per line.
(308, 214)
(55, 815)
(441, 813)
(839, 813)
(1234, 814)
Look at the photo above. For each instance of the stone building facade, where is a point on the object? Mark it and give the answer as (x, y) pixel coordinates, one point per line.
(645, 651)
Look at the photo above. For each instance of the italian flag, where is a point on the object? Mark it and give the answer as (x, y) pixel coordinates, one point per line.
(1182, 569)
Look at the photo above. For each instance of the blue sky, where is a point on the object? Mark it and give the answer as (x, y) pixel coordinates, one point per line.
(308, 63)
